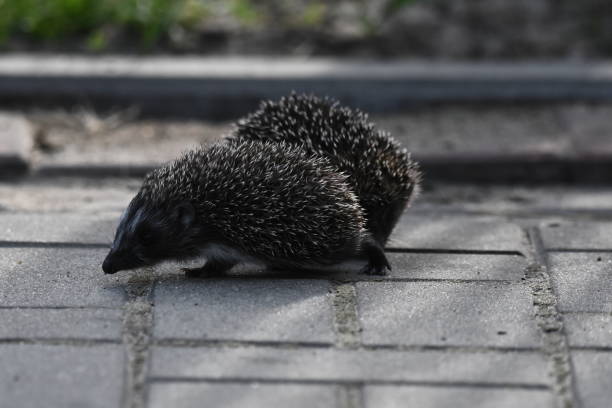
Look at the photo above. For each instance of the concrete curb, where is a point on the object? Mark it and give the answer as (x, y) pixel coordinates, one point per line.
(16, 142)
(486, 169)
(492, 169)
(220, 88)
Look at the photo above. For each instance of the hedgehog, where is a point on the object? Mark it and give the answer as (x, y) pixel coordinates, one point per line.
(380, 172)
(267, 203)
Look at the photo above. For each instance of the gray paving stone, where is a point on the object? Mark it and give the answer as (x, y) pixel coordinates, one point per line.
(588, 329)
(57, 277)
(64, 227)
(593, 371)
(441, 313)
(33, 376)
(457, 266)
(585, 235)
(457, 232)
(513, 199)
(255, 395)
(384, 396)
(326, 364)
(275, 310)
(93, 196)
(582, 281)
(16, 142)
(60, 323)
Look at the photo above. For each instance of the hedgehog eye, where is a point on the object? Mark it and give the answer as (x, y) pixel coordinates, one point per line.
(145, 235)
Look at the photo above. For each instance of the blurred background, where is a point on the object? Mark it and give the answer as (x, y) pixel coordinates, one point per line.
(440, 29)
(522, 86)
(454, 80)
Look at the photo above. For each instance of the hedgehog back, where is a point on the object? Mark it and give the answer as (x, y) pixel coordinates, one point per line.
(271, 200)
(380, 171)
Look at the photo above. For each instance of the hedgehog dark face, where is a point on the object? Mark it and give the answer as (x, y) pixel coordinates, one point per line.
(147, 235)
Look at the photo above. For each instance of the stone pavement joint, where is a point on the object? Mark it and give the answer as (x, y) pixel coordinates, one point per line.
(550, 322)
(348, 335)
(137, 333)
(346, 322)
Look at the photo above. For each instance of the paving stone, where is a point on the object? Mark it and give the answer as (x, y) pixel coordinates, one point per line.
(60, 323)
(457, 266)
(65, 227)
(276, 310)
(592, 371)
(16, 142)
(591, 235)
(582, 281)
(255, 395)
(380, 396)
(326, 364)
(117, 145)
(457, 233)
(93, 196)
(588, 329)
(33, 376)
(513, 199)
(441, 313)
(58, 277)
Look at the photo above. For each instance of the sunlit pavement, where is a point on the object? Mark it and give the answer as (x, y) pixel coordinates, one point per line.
(499, 296)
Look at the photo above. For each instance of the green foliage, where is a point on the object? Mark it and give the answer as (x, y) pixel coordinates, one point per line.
(50, 20)
(395, 5)
(95, 22)
(149, 18)
(371, 25)
(245, 12)
(314, 14)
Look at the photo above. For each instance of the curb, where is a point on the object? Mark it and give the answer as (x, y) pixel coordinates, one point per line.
(222, 88)
(492, 169)
(16, 143)
(457, 169)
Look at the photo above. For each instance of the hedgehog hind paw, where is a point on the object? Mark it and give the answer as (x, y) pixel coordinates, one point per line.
(373, 252)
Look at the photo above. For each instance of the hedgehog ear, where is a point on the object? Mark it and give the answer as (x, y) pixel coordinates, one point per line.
(185, 213)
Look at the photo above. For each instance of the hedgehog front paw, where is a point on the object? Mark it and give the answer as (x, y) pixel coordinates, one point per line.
(377, 269)
(202, 272)
(211, 268)
(195, 272)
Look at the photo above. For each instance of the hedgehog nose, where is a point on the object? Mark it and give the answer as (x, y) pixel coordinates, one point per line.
(107, 266)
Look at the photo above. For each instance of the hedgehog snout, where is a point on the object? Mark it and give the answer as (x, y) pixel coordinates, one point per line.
(112, 263)
(117, 261)
(107, 265)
